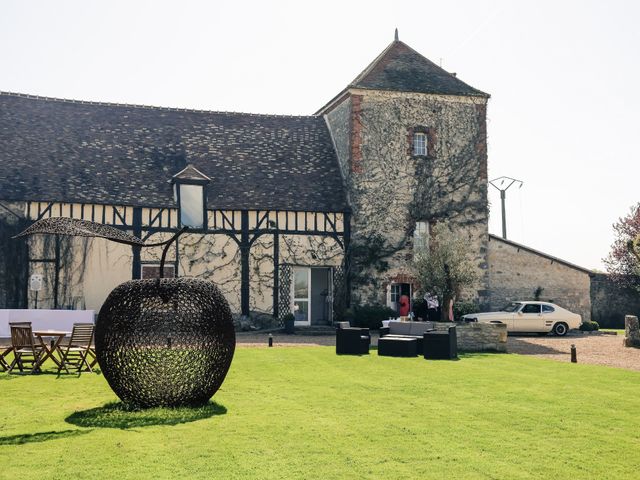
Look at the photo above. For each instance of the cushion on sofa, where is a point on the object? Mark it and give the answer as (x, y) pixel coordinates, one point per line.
(418, 328)
(400, 328)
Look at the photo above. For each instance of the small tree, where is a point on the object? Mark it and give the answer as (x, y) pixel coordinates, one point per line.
(445, 268)
(623, 262)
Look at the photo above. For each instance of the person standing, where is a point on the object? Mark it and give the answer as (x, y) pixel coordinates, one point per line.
(433, 307)
(405, 306)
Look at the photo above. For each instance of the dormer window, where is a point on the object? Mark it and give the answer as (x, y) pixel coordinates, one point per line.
(420, 144)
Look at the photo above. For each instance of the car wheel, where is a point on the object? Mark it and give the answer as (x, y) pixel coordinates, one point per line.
(560, 329)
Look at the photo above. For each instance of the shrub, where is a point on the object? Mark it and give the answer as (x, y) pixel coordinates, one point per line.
(464, 308)
(370, 316)
(348, 316)
(589, 326)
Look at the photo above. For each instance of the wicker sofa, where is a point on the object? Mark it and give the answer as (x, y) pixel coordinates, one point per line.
(408, 330)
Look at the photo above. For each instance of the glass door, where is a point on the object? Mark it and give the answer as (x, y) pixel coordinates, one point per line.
(301, 295)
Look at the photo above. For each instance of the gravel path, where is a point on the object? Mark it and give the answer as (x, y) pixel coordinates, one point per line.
(596, 349)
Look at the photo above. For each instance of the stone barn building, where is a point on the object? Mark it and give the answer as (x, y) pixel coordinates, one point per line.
(277, 200)
(518, 272)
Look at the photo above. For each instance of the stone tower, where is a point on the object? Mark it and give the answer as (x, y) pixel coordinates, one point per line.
(411, 141)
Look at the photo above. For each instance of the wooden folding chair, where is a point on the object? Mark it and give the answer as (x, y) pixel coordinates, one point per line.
(79, 348)
(4, 351)
(25, 349)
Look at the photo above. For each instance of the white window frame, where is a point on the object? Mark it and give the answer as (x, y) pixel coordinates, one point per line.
(420, 144)
(307, 299)
(421, 237)
(395, 292)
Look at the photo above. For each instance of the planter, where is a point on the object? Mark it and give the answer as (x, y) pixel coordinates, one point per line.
(289, 325)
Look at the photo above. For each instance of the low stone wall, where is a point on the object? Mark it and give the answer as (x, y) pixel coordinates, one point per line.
(479, 337)
(631, 331)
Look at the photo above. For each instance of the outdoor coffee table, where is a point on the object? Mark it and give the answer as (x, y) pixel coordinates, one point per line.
(397, 347)
(56, 338)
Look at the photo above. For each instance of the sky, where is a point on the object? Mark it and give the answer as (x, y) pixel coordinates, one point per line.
(563, 78)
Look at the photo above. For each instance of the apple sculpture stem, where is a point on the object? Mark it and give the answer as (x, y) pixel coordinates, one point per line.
(166, 248)
(161, 342)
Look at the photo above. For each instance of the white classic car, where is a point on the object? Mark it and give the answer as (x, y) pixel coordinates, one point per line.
(534, 317)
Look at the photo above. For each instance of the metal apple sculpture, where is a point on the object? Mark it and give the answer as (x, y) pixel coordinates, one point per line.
(159, 342)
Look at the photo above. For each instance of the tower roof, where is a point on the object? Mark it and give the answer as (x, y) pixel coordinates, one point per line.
(399, 67)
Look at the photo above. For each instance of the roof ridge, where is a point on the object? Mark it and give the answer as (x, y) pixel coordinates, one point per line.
(539, 252)
(357, 82)
(147, 107)
(371, 65)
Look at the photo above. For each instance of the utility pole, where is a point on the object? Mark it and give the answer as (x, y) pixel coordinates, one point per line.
(503, 195)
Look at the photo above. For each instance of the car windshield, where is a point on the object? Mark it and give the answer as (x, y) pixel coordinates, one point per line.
(512, 307)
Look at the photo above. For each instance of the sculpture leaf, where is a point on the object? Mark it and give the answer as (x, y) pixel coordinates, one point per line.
(80, 228)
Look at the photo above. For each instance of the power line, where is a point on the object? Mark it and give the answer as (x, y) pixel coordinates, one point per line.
(503, 195)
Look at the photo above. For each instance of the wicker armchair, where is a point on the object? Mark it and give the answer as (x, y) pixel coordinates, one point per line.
(351, 340)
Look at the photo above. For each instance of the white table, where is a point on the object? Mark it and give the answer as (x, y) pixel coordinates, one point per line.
(44, 319)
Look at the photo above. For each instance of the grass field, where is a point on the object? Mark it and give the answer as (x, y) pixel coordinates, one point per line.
(307, 413)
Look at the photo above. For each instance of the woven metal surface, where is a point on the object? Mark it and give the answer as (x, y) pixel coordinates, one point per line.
(80, 228)
(165, 342)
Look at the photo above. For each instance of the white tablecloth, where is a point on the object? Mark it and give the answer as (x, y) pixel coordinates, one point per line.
(44, 319)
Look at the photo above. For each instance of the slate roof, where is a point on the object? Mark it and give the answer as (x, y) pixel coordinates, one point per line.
(400, 68)
(62, 150)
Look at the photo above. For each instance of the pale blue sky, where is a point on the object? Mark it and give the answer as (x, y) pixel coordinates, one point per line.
(563, 76)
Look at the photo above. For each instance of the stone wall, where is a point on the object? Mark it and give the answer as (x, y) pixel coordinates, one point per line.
(339, 122)
(390, 189)
(610, 302)
(516, 271)
(479, 337)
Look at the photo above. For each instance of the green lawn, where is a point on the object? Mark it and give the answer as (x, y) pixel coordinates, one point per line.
(307, 413)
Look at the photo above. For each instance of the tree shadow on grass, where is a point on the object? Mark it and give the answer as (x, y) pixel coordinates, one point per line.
(40, 437)
(119, 415)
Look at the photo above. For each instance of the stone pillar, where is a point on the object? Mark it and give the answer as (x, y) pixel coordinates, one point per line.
(631, 331)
